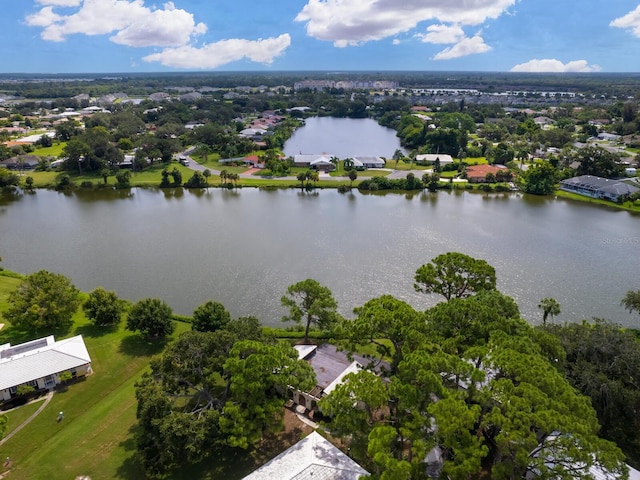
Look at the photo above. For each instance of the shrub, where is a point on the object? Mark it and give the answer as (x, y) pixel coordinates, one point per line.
(24, 390)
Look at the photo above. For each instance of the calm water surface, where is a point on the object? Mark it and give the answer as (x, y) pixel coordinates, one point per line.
(244, 248)
(343, 138)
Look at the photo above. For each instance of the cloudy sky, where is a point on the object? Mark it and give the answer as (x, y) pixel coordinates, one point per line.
(95, 36)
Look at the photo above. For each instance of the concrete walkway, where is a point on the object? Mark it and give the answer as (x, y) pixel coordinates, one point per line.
(28, 420)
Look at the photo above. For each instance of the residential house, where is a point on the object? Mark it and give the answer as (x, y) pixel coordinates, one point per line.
(330, 366)
(40, 362)
(21, 162)
(478, 173)
(598, 187)
(361, 163)
(317, 162)
(313, 457)
(432, 157)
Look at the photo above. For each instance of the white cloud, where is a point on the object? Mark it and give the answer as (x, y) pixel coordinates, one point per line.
(551, 65)
(396, 41)
(220, 53)
(134, 24)
(60, 3)
(466, 46)
(442, 34)
(631, 21)
(346, 22)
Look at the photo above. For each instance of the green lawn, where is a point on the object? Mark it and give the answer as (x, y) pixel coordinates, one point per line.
(630, 206)
(95, 438)
(54, 151)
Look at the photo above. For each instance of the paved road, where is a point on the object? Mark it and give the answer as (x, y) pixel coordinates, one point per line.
(193, 165)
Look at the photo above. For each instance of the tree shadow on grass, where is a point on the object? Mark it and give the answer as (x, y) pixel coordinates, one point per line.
(93, 331)
(140, 346)
(131, 468)
(16, 336)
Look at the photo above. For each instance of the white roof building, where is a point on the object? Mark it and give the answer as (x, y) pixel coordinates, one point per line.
(39, 363)
(432, 157)
(312, 457)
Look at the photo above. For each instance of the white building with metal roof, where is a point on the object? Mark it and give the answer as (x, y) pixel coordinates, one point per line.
(40, 362)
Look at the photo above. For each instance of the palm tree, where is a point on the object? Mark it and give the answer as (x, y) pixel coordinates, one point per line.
(224, 176)
(348, 163)
(397, 156)
(549, 307)
(207, 174)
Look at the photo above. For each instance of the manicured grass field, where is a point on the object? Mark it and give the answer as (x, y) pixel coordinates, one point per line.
(96, 436)
(53, 151)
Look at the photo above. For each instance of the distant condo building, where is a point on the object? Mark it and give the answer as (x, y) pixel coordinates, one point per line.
(346, 84)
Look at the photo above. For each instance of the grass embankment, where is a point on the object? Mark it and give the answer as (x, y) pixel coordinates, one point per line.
(629, 206)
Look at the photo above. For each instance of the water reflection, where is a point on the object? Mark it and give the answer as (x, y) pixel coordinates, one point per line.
(244, 247)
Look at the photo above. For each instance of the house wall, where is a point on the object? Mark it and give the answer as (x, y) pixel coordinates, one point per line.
(81, 371)
(307, 401)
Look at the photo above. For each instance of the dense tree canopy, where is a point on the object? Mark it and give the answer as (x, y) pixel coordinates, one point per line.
(540, 179)
(152, 317)
(210, 316)
(455, 275)
(603, 362)
(43, 301)
(213, 389)
(103, 307)
(470, 382)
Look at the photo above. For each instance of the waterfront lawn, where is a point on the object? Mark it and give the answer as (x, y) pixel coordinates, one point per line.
(630, 206)
(402, 165)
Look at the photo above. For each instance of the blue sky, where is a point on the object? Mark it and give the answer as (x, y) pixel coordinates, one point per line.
(95, 36)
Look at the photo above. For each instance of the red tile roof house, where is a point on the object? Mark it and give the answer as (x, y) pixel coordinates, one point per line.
(478, 173)
(39, 363)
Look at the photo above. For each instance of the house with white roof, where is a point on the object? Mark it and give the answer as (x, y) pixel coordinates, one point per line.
(313, 457)
(432, 157)
(40, 362)
(317, 162)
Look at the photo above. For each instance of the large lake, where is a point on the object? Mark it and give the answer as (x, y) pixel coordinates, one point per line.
(343, 138)
(243, 248)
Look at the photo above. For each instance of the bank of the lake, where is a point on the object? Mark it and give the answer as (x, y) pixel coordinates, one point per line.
(244, 247)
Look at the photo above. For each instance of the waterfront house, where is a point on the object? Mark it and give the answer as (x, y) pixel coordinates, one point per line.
(598, 187)
(478, 173)
(367, 162)
(431, 158)
(318, 162)
(330, 366)
(39, 363)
